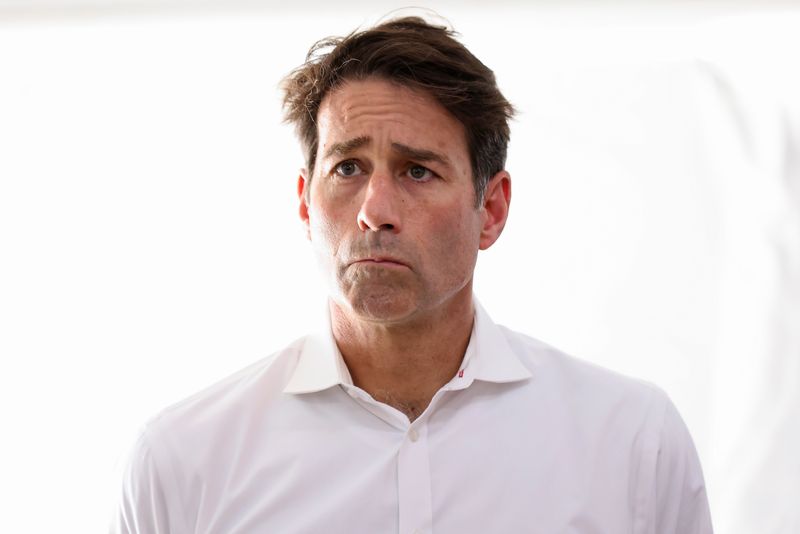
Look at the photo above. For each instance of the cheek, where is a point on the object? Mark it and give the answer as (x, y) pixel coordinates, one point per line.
(323, 234)
(456, 247)
(329, 224)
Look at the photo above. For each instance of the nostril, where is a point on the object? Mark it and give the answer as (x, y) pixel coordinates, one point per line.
(386, 227)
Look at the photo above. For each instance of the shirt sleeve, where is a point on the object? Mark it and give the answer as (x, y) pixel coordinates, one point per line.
(681, 503)
(143, 507)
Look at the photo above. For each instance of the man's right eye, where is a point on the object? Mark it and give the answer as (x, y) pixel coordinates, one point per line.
(348, 168)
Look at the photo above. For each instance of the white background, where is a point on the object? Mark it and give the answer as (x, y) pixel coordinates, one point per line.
(149, 242)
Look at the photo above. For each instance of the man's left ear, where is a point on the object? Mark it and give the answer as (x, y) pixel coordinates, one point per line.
(495, 206)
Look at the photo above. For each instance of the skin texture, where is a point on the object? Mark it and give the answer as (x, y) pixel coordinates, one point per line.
(392, 219)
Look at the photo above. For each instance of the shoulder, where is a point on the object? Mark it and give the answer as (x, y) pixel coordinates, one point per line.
(603, 406)
(554, 369)
(181, 446)
(620, 415)
(257, 382)
(204, 416)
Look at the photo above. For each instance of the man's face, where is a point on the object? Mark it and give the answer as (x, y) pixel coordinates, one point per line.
(391, 213)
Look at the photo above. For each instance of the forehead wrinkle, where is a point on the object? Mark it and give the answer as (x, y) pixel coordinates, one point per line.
(376, 112)
(421, 154)
(345, 147)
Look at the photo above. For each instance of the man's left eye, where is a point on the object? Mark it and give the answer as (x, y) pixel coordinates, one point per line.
(420, 173)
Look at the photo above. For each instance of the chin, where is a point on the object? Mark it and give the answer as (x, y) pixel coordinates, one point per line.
(381, 304)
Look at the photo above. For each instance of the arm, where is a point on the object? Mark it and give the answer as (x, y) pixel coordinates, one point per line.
(143, 507)
(681, 503)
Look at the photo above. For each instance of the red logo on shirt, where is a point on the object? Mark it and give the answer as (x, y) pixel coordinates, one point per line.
(461, 374)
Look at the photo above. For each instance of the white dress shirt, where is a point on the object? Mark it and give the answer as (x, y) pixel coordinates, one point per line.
(523, 439)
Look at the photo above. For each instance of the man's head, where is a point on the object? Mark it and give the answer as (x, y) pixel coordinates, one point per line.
(389, 194)
(415, 54)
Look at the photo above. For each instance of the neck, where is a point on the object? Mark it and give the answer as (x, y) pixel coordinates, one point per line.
(403, 364)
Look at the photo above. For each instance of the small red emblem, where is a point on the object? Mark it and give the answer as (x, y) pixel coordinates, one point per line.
(461, 374)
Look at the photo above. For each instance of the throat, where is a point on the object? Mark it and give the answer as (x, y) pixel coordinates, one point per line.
(411, 408)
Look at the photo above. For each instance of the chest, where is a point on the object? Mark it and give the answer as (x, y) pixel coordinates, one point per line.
(455, 470)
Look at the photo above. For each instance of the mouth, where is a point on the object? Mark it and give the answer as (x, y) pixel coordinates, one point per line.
(381, 261)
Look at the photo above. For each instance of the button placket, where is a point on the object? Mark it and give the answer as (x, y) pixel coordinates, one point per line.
(414, 482)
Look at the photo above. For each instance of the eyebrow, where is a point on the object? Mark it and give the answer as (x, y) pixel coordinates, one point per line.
(419, 154)
(345, 147)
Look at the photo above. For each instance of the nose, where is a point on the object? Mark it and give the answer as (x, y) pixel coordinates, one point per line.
(380, 208)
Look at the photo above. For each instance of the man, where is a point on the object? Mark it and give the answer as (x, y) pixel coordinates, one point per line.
(413, 411)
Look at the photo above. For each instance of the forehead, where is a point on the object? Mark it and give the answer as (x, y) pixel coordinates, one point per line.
(386, 111)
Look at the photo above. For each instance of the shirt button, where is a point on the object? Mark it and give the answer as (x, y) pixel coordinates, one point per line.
(413, 436)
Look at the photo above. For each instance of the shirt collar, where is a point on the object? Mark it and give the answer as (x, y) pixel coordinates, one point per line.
(320, 365)
(488, 357)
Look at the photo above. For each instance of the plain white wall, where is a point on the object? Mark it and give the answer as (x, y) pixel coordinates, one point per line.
(149, 243)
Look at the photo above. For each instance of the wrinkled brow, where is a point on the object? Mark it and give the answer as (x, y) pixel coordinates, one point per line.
(345, 147)
(420, 154)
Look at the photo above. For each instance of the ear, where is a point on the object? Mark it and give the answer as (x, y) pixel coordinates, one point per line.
(304, 195)
(495, 206)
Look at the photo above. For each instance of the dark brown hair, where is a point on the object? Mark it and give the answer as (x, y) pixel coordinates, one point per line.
(418, 55)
